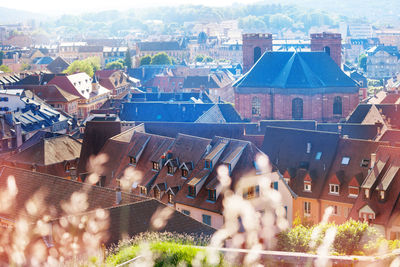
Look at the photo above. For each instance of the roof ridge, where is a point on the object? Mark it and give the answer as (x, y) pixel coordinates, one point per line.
(63, 179)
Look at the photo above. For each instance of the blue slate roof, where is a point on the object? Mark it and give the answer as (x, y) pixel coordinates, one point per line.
(173, 112)
(42, 60)
(294, 70)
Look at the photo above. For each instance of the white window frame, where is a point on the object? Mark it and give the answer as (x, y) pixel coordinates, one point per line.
(334, 189)
(307, 208)
(307, 186)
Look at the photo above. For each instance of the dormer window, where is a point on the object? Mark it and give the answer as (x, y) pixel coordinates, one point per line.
(132, 160)
(67, 166)
(170, 170)
(318, 155)
(208, 164)
(156, 166)
(334, 189)
(366, 193)
(185, 173)
(353, 191)
(307, 186)
(170, 198)
(365, 163)
(157, 193)
(192, 191)
(382, 195)
(143, 190)
(211, 195)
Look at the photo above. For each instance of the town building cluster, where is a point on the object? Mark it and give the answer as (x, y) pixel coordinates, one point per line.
(302, 104)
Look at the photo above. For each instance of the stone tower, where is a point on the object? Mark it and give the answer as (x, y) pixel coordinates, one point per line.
(254, 45)
(331, 43)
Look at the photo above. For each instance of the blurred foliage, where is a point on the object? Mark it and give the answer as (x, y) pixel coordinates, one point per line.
(352, 238)
(5, 68)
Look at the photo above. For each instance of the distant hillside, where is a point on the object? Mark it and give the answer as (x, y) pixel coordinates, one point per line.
(9, 16)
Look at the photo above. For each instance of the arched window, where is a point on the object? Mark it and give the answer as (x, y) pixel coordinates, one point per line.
(255, 106)
(297, 109)
(257, 53)
(337, 105)
(327, 50)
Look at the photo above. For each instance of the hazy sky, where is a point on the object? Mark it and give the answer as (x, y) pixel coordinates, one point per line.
(78, 6)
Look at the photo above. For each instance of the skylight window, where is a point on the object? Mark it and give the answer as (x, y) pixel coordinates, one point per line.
(318, 155)
(345, 160)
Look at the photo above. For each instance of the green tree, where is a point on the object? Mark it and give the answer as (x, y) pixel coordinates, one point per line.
(362, 62)
(80, 66)
(199, 58)
(25, 66)
(115, 65)
(94, 62)
(146, 60)
(128, 59)
(161, 59)
(4, 68)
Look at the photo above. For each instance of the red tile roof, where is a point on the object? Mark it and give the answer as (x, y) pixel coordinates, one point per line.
(55, 192)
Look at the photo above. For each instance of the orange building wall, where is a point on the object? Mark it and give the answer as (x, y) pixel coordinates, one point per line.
(298, 210)
(343, 211)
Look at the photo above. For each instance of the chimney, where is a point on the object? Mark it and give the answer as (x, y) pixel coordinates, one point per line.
(18, 133)
(118, 196)
(2, 126)
(373, 159)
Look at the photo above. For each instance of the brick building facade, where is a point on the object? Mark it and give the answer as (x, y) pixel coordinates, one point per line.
(331, 43)
(295, 85)
(254, 45)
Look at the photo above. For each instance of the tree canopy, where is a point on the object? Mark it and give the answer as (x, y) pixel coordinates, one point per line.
(115, 65)
(89, 66)
(128, 59)
(146, 60)
(4, 68)
(161, 59)
(362, 62)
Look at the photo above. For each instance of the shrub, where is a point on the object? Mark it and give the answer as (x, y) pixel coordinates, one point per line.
(352, 238)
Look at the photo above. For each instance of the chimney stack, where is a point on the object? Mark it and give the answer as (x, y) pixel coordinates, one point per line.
(118, 196)
(18, 133)
(373, 159)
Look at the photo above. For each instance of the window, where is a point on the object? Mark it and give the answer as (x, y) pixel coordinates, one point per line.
(207, 219)
(252, 192)
(353, 191)
(143, 190)
(257, 53)
(345, 160)
(192, 191)
(382, 194)
(337, 106)
(297, 109)
(255, 106)
(366, 192)
(365, 163)
(186, 212)
(327, 50)
(157, 193)
(274, 185)
(334, 189)
(170, 198)
(212, 195)
(185, 173)
(170, 170)
(307, 208)
(307, 186)
(156, 166)
(318, 155)
(132, 160)
(335, 210)
(208, 164)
